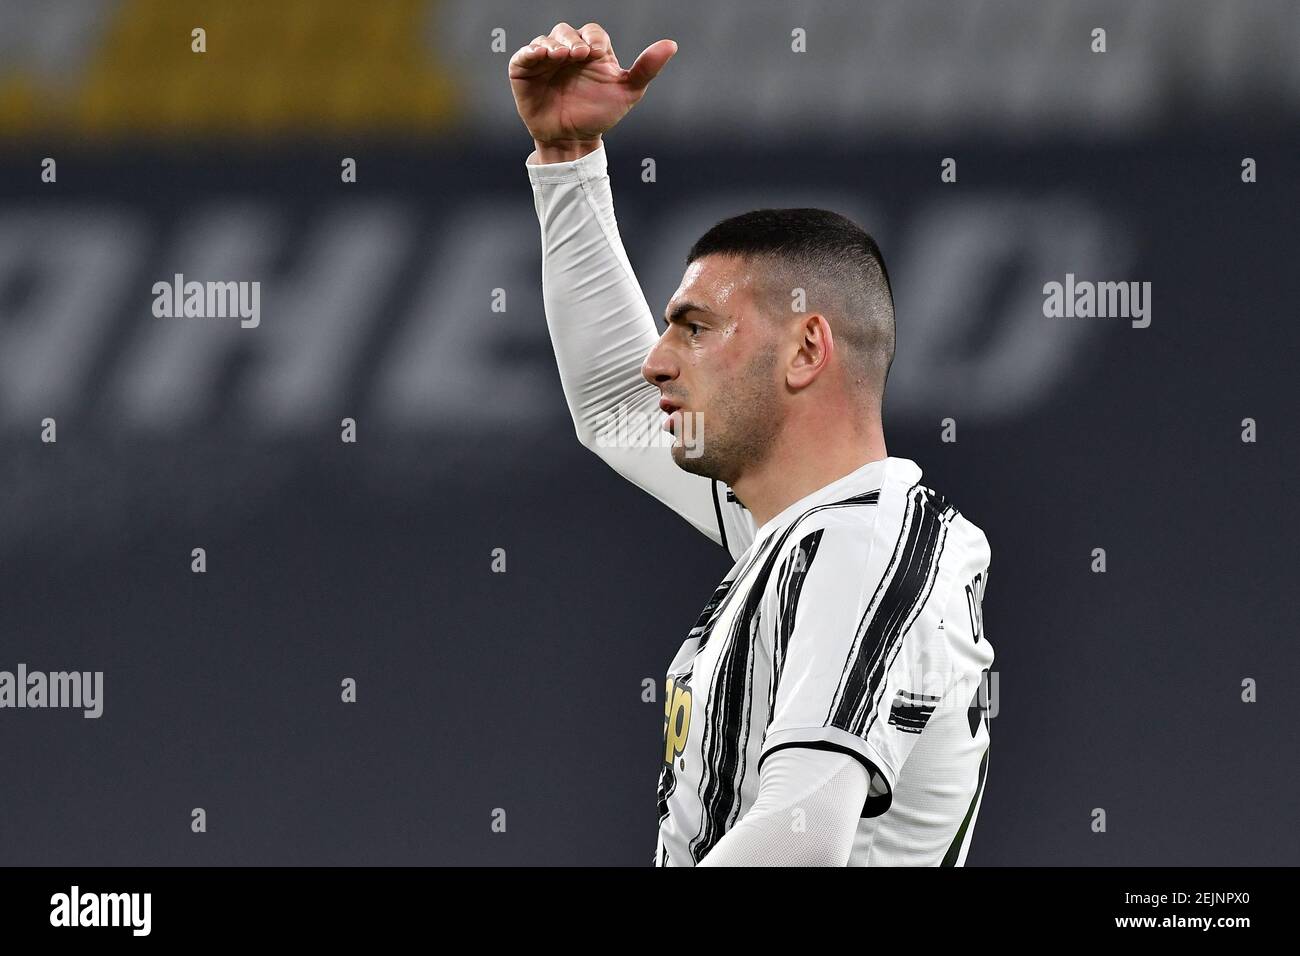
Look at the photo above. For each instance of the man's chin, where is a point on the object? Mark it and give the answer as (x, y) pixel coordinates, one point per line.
(689, 459)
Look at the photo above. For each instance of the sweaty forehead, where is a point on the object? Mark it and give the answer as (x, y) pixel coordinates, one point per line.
(720, 284)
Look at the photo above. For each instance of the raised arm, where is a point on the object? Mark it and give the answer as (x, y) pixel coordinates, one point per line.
(569, 89)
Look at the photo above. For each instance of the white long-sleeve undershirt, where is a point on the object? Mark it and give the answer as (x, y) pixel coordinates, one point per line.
(602, 330)
(806, 814)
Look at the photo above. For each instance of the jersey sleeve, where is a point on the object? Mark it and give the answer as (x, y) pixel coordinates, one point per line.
(602, 330)
(861, 651)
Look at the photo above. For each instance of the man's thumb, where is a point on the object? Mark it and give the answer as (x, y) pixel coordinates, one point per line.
(650, 62)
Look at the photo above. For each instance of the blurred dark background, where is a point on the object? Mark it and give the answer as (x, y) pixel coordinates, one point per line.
(372, 560)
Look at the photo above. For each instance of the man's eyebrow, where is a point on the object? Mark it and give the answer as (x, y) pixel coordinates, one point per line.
(680, 311)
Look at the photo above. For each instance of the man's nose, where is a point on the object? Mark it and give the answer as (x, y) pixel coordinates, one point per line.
(659, 366)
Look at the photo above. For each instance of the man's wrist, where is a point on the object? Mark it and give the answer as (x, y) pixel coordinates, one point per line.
(562, 151)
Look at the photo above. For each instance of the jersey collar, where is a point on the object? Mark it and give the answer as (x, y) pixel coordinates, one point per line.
(868, 477)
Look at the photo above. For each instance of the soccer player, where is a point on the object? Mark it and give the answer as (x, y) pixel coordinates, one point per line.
(827, 708)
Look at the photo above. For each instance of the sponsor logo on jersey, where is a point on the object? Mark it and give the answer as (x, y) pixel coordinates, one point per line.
(677, 718)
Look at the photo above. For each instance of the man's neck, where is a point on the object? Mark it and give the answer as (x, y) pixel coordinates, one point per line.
(769, 487)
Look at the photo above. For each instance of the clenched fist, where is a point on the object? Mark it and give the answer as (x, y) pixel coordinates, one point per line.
(569, 88)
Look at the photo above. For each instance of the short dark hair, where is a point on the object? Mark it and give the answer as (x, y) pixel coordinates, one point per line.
(835, 262)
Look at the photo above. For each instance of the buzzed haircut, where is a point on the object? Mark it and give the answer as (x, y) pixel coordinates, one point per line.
(835, 262)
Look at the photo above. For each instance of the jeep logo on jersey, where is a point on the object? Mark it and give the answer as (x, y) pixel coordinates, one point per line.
(677, 718)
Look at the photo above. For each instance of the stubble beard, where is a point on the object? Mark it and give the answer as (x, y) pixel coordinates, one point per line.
(740, 429)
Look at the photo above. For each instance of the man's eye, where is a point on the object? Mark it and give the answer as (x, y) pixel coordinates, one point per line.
(694, 329)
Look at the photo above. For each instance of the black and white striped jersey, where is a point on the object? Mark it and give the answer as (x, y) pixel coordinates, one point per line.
(850, 621)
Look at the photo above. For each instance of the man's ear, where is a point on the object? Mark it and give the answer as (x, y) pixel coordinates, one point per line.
(815, 346)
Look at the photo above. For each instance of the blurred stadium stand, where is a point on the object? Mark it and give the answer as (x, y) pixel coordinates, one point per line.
(111, 69)
(896, 67)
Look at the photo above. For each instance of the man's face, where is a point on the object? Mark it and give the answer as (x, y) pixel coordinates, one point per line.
(716, 367)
